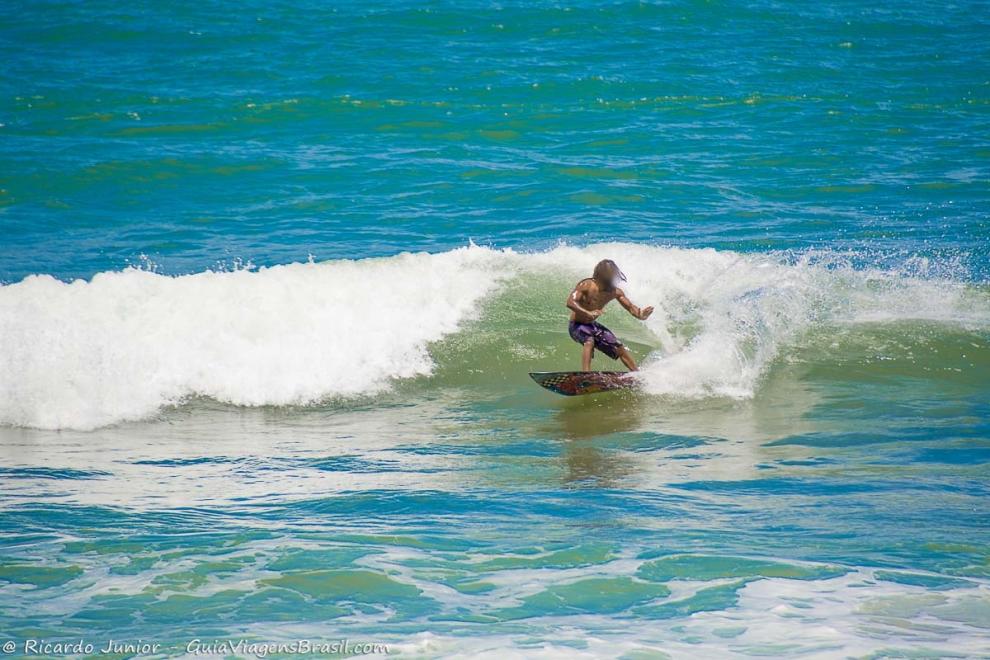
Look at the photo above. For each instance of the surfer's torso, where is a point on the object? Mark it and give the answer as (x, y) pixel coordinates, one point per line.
(592, 296)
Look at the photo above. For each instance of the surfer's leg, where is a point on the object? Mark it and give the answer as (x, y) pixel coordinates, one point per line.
(627, 359)
(586, 353)
(609, 344)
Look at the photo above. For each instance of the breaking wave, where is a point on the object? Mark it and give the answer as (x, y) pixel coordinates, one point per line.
(122, 345)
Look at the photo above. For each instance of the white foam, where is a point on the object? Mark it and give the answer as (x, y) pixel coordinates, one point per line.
(722, 318)
(849, 616)
(86, 354)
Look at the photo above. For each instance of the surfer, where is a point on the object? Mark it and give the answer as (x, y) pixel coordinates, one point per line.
(587, 302)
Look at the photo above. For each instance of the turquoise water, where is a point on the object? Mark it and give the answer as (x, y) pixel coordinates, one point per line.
(273, 275)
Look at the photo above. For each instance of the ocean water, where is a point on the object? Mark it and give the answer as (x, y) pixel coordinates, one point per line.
(272, 276)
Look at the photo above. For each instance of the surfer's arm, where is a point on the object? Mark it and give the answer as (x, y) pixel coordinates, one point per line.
(574, 303)
(641, 314)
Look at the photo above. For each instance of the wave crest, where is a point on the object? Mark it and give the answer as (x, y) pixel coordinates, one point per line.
(85, 354)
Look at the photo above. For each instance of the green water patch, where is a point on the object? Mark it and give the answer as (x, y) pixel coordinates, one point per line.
(184, 607)
(131, 179)
(135, 565)
(168, 129)
(499, 135)
(224, 606)
(589, 198)
(598, 173)
(498, 175)
(216, 608)
(644, 654)
(579, 556)
(170, 546)
(111, 609)
(604, 595)
(368, 591)
(464, 582)
(364, 585)
(201, 573)
(40, 577)
(179, 580)
(326, 557)
(709, 599)
(470, 587)
(711, 567)
(107, 547)
(909, 355)
(298, 596)
(531, 558)
(928, 581)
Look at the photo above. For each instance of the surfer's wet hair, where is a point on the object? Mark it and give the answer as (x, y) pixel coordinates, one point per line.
(606, 271)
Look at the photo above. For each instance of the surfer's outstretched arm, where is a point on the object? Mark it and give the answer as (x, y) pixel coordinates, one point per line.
(641, 314)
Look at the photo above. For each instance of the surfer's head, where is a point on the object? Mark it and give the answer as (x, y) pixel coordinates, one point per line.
(608, 274)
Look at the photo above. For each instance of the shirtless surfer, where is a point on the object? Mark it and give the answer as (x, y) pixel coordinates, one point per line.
(587, 301)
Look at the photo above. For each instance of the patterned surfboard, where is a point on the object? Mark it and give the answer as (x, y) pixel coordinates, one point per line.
(571, 383)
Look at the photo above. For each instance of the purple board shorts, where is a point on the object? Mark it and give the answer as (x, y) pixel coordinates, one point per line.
(605, 341)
